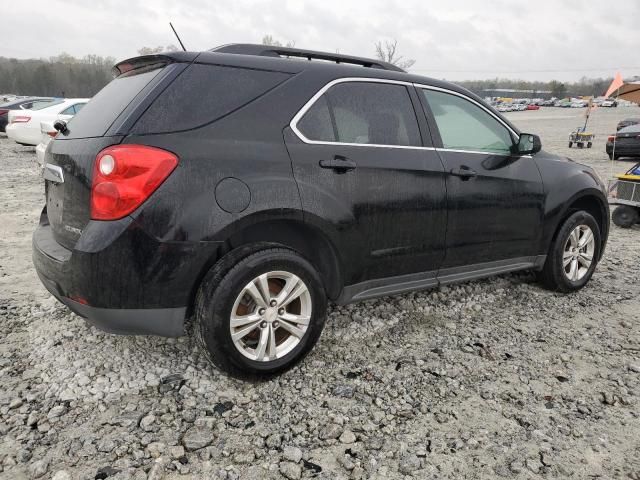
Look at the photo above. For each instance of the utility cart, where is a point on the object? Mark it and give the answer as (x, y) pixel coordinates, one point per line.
(580, 138)
(624, 192)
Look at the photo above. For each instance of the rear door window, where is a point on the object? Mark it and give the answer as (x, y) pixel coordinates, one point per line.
(363, 113)
(203, 94)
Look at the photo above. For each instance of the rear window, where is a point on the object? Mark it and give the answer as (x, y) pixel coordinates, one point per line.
(96, 117)
(203, 94)
(39, 105)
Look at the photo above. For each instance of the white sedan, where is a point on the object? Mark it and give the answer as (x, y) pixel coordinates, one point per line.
(24, 125)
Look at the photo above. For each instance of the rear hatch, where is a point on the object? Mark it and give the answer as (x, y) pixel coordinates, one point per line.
(102, 122)
(630, 137)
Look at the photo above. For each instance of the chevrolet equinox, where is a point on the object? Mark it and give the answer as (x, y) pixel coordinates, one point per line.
(248, 185)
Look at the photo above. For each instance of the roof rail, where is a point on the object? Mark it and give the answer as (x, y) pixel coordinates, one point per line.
(276, 51)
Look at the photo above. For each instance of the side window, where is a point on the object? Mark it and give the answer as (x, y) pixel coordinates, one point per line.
(68, 111)
(465, 126)
(78, 106)
(363, 113)
(316, 123)
(203, 94)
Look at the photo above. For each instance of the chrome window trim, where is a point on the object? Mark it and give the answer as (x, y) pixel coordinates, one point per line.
(469, 99)
(298, 116)
(294, 121)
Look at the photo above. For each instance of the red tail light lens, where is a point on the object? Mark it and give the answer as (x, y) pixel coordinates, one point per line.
(124, 176)
(52, 134)
(610, 138)
(21, 119)
(3, 111)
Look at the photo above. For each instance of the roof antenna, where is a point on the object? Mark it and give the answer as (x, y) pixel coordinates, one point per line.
(176, 34)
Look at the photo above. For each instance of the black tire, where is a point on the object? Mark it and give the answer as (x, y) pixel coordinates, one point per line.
(625, 216)
(570, 144)
(589, 144)
(553, 274)
(215, 301)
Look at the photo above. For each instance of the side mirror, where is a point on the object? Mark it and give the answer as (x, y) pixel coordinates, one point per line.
(528, 143)
(61, 126)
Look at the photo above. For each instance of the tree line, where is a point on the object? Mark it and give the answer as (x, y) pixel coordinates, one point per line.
(68, 76)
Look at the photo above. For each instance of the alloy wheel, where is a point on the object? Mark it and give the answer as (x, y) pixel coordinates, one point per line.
(579, 250)
(270, 316)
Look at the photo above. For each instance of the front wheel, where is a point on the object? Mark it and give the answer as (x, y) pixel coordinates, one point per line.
(625, 216)
(573, 255)
(263, 315)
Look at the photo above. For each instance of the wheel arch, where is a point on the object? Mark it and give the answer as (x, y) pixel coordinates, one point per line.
(294, 234)
(591, 201)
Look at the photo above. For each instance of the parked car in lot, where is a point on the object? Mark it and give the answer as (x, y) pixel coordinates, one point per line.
(533, 107)
(19, 104)
(578, 104)
(47, 132)
(609, 103)
(627, 122)
(24, 125)
(627, 143)
(282, 184)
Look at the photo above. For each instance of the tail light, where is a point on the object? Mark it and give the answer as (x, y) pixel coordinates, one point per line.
(3, 111)
(20, 119)
(124, 176)
(611, 138)
(52, 134)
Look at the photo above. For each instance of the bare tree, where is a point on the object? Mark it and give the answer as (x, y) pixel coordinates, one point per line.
(159, 49)
(269, 40)
(388, 52)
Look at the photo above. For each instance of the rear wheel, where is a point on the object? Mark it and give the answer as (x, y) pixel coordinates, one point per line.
(570, 144)
(263, 315)
(625, 216)
(589, 144)
(573, 254)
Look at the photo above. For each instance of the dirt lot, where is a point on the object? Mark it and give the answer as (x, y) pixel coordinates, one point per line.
(496, 378)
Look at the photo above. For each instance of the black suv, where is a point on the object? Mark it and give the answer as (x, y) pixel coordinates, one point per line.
(247, 185)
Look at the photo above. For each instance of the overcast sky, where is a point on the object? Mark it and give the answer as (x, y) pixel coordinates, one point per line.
(453, 39)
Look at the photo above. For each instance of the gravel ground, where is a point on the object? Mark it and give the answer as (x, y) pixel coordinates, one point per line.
(495, 378)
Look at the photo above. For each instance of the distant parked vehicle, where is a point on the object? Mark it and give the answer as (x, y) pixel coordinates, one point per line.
(24, 125)
(19, 104)
(609, 103)
(578, 104)
(521, 107)
(627, 143)
(47, 132)
(627, 122)
(533, 107)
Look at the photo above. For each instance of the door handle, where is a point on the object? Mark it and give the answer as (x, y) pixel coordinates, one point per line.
(464, 172)
(339, 163)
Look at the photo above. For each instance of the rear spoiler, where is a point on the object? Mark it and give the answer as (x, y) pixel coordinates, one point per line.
(148, 60)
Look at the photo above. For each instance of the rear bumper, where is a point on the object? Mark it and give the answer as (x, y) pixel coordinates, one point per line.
(624, 150)
(40, 152)
(114, 288)
(23, 134)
